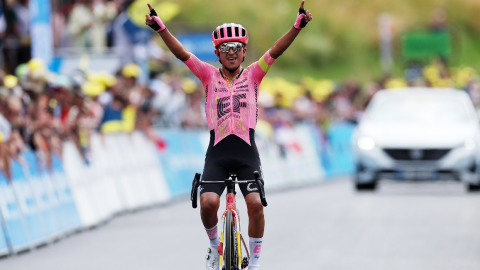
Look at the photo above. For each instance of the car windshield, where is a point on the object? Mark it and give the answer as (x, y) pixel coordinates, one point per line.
(424, 110)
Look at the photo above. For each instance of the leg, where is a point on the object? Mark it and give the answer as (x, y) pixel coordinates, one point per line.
(256, 223)
(256, 227)
(209, 204)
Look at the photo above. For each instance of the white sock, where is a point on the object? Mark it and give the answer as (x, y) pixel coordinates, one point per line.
(213, 236)
(255, 248)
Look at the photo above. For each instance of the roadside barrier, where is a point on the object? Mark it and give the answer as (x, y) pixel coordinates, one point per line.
(336, 152)
(127, 172)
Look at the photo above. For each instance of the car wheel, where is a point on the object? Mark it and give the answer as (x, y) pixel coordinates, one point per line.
(473, 187)
(366, 186)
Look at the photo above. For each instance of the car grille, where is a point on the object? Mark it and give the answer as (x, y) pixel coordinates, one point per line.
(416, 154)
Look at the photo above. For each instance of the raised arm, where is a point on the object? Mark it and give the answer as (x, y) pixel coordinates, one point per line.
(172, 43)
(303, 17)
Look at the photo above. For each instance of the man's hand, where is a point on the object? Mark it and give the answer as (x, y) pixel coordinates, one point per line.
(153, 20)
(303, 17)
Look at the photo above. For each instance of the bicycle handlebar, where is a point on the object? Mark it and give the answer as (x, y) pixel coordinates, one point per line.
(197, 182)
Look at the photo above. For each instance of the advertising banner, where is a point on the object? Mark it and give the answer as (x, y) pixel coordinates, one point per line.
(3, 240)
(184, 156)
(45, 203)
(77, 176)
(16, 229)
(28, 205)
(70, 221)
(337, 151)
(101, 169)
(200, 44)
(41, 30)
(144, 157)
(424, 45)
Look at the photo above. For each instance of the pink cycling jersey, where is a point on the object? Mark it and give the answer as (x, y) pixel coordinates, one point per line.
(231, 109)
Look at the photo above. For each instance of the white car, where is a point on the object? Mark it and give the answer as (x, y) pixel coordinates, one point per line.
(418, 134)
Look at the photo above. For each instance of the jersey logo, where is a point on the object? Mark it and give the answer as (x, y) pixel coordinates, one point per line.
(221, 90)
(242, 81)
(256, 101)
(249, 187)
(206, 98)
(223, 106)
(237, 103)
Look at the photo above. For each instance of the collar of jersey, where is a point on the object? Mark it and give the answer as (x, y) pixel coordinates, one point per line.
(238, 76)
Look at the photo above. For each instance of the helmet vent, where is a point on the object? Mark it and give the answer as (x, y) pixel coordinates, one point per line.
(229, 32)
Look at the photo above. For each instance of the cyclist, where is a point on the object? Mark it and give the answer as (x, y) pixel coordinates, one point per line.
(231, 94)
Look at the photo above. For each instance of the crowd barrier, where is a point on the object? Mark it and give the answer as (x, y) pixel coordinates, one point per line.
(126, 172)
(295, 162)
(336, 150)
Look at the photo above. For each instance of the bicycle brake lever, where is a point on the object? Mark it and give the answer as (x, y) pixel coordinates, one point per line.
(260, 184)
(194, 193)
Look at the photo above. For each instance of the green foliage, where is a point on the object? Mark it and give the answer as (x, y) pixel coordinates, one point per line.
(342, 40)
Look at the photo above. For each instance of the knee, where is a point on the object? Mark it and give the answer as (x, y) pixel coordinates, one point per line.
(255, 209)
(209, 204)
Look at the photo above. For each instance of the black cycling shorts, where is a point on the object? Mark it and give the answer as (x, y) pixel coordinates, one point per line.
(231, 154)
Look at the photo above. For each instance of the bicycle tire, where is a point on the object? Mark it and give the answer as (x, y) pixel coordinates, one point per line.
(229, 245)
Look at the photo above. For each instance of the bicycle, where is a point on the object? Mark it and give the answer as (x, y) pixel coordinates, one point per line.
(231, 253)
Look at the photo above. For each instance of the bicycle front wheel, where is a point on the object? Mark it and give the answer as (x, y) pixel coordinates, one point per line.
(229, 242)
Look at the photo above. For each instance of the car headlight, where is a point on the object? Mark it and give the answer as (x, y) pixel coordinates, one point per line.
(470, 144)
(365, 143)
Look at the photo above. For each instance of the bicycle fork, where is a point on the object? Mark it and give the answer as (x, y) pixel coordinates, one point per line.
(236, 222)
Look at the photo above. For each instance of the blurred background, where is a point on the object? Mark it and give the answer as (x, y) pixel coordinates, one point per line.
(98, 118)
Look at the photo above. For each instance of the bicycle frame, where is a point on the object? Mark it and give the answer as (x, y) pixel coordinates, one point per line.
(231, 207)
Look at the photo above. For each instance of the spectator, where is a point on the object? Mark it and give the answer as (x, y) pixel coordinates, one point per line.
(112, 120)
(439, 20)
(192, 116)
(3, 28)
(17, 49)
(87, 23)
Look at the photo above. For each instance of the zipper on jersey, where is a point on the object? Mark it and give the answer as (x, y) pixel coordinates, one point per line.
(230, 87)
(231, 109)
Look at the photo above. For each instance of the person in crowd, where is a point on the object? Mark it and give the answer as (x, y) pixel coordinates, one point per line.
(17, 45)
(87, 23)
(192, 116)
(439, 20)
(3, 28)
(112, 120)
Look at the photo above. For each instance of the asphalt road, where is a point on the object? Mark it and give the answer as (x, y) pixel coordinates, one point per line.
(402, 226)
